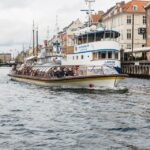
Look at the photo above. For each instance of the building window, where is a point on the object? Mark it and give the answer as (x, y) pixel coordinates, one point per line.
(82, 56)
(144, 36)
(134, 7)
(128, 19)
(144, 19)
(73, 57)
(128, 33)
(77, 57)
(128, 46)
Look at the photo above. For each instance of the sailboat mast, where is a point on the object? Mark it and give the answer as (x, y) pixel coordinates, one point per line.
(33, 40)
(37, 41)
(57, 30)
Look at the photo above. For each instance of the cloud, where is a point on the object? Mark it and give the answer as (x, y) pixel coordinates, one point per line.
(16, 17)
(70, 7)
(12, 4)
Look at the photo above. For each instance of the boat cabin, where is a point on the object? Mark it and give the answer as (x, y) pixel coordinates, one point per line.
(96, 36)
(97, 47)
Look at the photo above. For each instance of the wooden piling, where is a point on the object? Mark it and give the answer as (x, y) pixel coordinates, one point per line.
(136, 69)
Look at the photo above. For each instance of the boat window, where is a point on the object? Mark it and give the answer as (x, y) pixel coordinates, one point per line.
(84, 40)
(98, 37)
(116, 55)
(94, 56)
(79, 40)
(82, 56)
(109, 54)
(99, 55)
(91, 38)
(103, 55)
(75, 48)
(108, 35)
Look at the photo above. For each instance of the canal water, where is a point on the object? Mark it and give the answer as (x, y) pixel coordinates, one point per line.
(39, 118)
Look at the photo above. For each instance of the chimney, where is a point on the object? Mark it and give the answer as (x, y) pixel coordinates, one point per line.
(100, 13)
(120, 3)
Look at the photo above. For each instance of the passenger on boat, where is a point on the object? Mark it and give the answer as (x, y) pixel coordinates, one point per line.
(58, 72)
(62, 73)
(50, 73)
(76, 70)
(70, 71)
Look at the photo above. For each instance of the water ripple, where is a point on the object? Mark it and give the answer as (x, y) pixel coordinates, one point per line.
(34, 117)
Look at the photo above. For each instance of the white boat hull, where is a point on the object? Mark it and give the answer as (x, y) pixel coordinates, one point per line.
(97, 82)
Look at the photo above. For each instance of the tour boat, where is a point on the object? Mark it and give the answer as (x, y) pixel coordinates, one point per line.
(85, 77)
(97, 59)
(96, 54)
(95, 47)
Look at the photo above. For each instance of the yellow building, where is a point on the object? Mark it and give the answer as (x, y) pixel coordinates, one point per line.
(5, 57)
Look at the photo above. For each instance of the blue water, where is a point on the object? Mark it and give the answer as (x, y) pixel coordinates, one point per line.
(39, 118)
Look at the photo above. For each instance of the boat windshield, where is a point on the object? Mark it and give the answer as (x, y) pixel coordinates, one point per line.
(96, 36)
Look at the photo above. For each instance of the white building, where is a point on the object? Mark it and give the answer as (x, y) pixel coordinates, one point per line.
(127, 18)
(69, 31)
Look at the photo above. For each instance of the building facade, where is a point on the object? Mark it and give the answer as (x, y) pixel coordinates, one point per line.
(128, 18)
(5, 57)
(67, 36)
(147, 8)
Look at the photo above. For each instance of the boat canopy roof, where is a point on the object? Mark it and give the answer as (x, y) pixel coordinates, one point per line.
(101, 33)
(31, 58)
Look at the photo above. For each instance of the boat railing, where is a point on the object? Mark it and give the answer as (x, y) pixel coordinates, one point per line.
(63, 71)
(97, 70)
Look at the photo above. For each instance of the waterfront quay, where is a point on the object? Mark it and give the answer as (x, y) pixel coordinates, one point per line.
(9, 64)
(136, 68)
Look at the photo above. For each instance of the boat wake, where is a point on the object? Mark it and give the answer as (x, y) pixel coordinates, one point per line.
(118, 90)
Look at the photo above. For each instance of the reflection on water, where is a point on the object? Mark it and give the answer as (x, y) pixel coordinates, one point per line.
(35, 117)
(91, 91)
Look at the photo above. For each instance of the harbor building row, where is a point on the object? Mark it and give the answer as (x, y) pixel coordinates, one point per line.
(131, 19)
(5, 57)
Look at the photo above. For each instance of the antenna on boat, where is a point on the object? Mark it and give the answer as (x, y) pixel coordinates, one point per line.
(89, 10)
(57, 28)
(48, 33)
(56, 44)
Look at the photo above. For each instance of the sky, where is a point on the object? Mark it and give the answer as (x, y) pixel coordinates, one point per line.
(16, 19)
